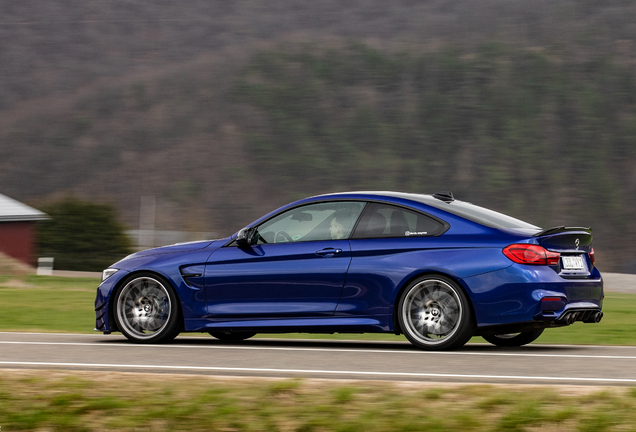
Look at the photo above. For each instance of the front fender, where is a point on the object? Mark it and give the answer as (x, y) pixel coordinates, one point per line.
(191, 298)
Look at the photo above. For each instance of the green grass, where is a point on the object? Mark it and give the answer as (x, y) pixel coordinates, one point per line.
(618, 326)
(85, 401)
(58, 304)
(47, 304)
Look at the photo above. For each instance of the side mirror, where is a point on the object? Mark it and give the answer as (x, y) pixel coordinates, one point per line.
(245, 236)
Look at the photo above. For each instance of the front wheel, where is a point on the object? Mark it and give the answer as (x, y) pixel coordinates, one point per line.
(514, 339)
(146, 309)
(435, 314)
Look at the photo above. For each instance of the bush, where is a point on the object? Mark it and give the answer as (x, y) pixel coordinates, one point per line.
(82, 235)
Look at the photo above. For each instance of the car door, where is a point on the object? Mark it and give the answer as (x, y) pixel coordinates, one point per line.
(295, 266)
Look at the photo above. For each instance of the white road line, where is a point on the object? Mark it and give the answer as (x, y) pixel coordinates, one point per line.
(322, 372)
(47, 334)
(359, 350)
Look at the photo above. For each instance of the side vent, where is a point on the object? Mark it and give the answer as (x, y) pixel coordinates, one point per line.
(193, 275)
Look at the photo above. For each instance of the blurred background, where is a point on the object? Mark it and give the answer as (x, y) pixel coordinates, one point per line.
(189, 119)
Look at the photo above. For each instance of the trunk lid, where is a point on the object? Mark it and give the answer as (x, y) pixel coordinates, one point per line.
(575, 246)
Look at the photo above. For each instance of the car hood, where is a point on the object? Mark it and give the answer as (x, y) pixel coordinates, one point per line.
(179, 247)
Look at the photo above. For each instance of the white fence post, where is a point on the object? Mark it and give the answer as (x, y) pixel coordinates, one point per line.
(45, 266)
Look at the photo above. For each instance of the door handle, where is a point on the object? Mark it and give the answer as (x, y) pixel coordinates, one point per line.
(328, 252)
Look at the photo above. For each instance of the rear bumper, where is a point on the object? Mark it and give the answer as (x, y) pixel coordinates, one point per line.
(515, 295)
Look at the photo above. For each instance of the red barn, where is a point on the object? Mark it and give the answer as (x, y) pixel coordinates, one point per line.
(17, 229)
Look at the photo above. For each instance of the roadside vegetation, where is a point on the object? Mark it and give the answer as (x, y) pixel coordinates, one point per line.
(82, 235)
(65, 305)
(102, 401)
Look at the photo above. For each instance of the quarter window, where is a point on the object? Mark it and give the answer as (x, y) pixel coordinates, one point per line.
(382, 220)
(324, 221)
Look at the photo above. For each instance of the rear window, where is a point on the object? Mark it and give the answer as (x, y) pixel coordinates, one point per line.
(482, 215)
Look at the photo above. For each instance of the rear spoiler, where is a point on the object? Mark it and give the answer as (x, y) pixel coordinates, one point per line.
(561, 229)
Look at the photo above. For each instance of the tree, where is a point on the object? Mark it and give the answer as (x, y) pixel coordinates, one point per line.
(82, 235)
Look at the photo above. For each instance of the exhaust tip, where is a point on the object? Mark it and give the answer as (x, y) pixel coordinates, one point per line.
(565, 319)
(594, 317)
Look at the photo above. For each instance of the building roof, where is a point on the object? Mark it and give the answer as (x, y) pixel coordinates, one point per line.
(12, 211)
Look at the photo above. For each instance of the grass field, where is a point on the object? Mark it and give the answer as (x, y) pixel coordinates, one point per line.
(53, 400)
(86, 401)
(58, 304)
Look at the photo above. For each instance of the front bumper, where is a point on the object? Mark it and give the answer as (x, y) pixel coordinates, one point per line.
(102, 302)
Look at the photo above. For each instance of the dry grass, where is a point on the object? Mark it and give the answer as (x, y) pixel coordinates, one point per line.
(11, 266)
(56, 400)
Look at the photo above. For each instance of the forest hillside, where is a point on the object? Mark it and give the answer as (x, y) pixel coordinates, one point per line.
(226, 110)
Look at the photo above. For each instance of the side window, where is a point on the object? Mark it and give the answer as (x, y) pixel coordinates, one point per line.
(313, 222)
(382, 220)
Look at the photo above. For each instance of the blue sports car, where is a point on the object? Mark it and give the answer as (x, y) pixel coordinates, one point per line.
(433, 268)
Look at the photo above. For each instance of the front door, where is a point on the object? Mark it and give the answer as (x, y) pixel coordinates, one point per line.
(296, 265)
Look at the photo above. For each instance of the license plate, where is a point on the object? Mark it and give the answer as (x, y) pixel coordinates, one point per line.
(572, 262)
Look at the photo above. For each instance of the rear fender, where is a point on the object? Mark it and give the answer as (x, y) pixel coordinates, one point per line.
(396, 322)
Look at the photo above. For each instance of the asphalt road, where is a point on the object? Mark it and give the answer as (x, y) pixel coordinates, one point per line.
(475, 363)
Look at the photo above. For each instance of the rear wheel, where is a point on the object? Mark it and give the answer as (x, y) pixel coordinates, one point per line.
(514, 339)
(435, 314)
(231, 337)
(146, 309)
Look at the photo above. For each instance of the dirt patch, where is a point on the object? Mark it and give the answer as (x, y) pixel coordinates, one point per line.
(11, 266)
(15, 283)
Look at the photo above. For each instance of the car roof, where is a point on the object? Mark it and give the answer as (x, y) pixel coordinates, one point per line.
(446, 202)
(407, 195)
(422, 198)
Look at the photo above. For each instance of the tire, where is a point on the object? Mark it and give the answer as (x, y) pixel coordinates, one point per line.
(231, 337)
(514, 339)
(435, 314)
(147, 310)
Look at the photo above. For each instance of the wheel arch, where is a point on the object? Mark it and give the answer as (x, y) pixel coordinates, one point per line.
(397, 329)
(130, 276)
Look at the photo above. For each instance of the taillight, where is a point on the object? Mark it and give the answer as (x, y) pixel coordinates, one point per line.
(592, 259)
(531, 254)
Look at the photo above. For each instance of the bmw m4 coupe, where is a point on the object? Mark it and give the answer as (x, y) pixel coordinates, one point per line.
(430, 267)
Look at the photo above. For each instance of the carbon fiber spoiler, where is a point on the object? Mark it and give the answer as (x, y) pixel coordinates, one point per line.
(560, 229)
